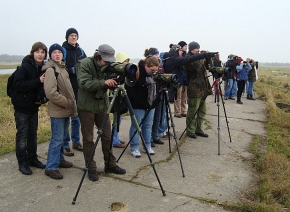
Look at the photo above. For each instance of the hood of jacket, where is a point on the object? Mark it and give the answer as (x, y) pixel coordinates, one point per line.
(50, 63)
(171, 53)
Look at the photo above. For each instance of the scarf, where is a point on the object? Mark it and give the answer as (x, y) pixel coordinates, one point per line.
(151, 89)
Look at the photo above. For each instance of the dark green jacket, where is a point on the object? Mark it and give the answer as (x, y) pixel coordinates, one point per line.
(252, 74)
(198, 86)
(92, 95)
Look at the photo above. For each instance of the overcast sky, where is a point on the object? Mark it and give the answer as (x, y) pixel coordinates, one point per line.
(259, 29)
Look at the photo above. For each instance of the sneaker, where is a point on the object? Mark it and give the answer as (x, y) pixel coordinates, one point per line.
(65, 164)
(158, 141)
(116, 170)
(93, 175)
(36, 163)
(68, 152)
(54, 174)
(136, 154)
(24, 168)
(150, 151)
(120, 145)
(78, 147)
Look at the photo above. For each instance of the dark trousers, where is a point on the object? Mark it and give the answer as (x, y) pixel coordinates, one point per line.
(88, 121)
(26, 136)
(241, 87)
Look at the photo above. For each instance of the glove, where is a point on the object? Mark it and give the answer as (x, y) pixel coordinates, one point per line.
(211, 54)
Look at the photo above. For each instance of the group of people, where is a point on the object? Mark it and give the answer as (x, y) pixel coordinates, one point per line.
(239, 77)
(77, 89)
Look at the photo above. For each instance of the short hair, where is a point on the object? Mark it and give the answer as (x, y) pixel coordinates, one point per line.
(151, 61)
(36, 46)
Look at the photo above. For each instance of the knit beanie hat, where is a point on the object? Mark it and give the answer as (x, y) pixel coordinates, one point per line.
(55, 47)
(193, 45)
(70, 31)
(182, 44)
(121, 57)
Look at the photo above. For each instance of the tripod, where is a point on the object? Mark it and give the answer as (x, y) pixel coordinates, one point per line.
(161, 94)
(218, 95)
(117, 92)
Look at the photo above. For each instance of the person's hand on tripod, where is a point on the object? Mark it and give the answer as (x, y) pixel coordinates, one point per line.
(111, 83)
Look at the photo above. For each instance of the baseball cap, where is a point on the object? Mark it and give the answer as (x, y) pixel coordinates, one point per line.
(107, 53)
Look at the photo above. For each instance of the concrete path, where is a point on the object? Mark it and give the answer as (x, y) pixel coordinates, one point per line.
(210, 179)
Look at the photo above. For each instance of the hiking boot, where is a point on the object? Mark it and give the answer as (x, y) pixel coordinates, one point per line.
(136, 154)
(65, 164)
(191, 135)
(150, 151)
(36, 163)
(202, 134)
(184, 115)
(120, 145)
(78, 147)
(54, 174)
(68, 152)
(93, 175)
(239, 102)
(116, 170)
(24, 168)
(158, 141)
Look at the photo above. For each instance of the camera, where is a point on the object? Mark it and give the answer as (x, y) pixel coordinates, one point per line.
(166, 78)
(124, 73)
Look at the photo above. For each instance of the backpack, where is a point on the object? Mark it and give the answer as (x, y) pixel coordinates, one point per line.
(10, 88)
(41, 97)
(64, 53)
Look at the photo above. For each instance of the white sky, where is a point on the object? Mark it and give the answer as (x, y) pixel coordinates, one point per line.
(259, 29)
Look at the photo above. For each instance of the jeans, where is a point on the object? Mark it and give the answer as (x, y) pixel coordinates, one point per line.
(26, 136)
(116, 139)
(230, 92)
(55, 150)
(75, 132)
(146, 128)
(250, 88)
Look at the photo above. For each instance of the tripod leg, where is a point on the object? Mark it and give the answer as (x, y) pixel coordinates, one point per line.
(223, 102)
(218, 105)
(91, 155)
(133, 117)
(173, 127)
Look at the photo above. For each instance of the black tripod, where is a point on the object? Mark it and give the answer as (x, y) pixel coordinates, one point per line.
(117, 92)
(164, 96)
(218, 95)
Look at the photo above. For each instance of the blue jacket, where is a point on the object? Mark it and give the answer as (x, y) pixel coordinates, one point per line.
(243, 71)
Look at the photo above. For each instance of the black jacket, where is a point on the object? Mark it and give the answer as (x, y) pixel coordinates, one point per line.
(26, 85)
(231, 64)
(73, 54)
(138, 94)
(172, 62)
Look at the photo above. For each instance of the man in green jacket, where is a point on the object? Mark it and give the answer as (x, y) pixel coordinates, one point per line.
(92, 104)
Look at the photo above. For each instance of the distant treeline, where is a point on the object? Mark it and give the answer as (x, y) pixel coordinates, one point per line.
(18, 58)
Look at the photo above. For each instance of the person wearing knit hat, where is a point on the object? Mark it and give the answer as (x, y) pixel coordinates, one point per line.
(61, 107)
(71, 31)
(193, 45)
(92, 108)
(197, 91)
(53, 47)
(74, 53)
(183, 46)
(122, 57)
